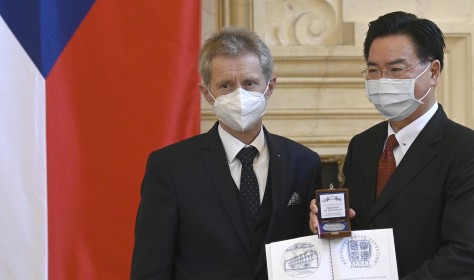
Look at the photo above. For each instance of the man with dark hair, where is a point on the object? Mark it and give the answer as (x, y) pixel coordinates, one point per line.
(210, 203)
(414, 172)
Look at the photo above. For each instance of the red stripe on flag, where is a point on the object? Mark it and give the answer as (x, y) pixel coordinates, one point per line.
(126, 84)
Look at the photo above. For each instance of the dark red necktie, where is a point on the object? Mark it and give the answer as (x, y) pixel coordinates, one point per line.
(386, 164)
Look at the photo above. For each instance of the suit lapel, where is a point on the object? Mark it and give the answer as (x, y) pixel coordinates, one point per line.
(419, 154)
(216, 164)
(372, 160)
(278, 166)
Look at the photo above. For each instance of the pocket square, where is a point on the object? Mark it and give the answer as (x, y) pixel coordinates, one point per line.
(294, 200)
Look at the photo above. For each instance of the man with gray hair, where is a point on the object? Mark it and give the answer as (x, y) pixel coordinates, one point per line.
(210, 203)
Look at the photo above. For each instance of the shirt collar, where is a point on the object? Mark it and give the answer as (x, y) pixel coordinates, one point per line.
(232, 145)
(407, 135)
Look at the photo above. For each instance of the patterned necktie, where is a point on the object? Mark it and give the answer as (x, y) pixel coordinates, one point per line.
(386, 164)
(248, 181)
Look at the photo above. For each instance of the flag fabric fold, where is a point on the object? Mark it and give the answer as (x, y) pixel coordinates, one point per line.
(87, 90)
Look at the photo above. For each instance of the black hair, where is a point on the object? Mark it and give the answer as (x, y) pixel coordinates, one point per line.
(425, 34)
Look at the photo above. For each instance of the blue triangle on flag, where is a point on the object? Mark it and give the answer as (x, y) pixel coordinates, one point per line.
(44, 27)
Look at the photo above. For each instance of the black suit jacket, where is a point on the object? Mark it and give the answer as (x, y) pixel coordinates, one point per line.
(190, 224)
(428, 201)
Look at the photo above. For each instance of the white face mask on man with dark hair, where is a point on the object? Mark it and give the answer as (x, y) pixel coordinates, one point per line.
(394, 98)
(240, 109)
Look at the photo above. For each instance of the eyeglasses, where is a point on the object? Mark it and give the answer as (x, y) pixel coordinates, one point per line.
(393, 73)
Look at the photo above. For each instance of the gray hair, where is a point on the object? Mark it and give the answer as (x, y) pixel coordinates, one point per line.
(234, 41)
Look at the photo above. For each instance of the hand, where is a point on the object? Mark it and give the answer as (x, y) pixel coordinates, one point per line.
(313, 218)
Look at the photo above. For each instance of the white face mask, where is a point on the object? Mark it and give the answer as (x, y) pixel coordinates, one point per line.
(394, 98)
(240, 109)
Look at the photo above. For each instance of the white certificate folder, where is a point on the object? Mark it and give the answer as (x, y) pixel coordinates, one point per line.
(367, 254)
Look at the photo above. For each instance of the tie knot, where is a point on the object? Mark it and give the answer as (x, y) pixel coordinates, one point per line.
(247, 154)
(391, 143)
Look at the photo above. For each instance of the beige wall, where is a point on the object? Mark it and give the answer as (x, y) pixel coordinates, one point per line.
(320, 97)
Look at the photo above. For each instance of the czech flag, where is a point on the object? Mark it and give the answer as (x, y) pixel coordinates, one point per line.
(87, 90)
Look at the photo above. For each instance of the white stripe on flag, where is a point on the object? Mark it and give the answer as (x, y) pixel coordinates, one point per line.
(23, 193)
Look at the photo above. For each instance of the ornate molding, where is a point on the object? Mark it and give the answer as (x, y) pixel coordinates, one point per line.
(298, 22)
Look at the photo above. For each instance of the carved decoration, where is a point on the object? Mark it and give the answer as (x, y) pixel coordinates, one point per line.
(301, 22)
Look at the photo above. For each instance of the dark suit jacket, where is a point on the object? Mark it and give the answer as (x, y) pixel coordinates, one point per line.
(428, 201)
(190, 224)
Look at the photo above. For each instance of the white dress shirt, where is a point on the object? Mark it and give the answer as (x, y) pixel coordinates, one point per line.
(232, 147)
(408, 134)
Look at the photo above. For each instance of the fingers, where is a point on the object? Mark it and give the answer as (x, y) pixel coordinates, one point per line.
(313, 219)
(313, 223)
(352, 213)
(313, 207)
